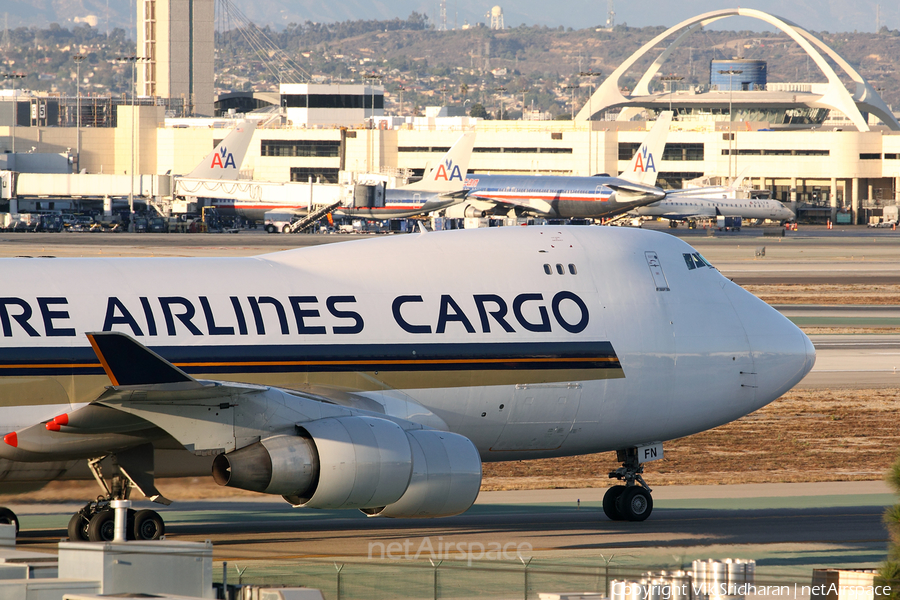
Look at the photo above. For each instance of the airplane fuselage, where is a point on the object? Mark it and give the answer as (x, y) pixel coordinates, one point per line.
(688, 207)
(531, 342)
(559, 197)
(398, 204)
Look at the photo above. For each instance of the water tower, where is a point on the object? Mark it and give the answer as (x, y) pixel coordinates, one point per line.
(496, 18)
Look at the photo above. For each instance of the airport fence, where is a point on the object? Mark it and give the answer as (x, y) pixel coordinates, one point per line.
(377, 579)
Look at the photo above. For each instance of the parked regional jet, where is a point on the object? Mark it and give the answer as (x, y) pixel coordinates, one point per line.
(573, 197)
(382, 387)
(691, 207)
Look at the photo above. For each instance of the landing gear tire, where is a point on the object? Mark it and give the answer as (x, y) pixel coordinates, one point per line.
(632, 501)
(148, 525)
(635, 504)
(8, 517)
(78, 528)
(102, 527)
(610, 499)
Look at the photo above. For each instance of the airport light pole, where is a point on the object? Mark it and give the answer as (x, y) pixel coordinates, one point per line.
(372, 77)
(400, 89)
(15, 104)
(371, 148)
(571, 97)
(590, 75)
(671, 79)
(731, 73)
(133, 60)
(78, 58)
(500, 91)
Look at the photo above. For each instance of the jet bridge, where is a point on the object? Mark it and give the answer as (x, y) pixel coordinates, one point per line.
(248, 197)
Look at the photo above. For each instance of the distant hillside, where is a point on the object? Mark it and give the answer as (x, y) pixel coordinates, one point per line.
(526, 66)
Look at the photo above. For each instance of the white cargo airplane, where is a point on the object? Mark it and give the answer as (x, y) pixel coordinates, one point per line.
(382, 387)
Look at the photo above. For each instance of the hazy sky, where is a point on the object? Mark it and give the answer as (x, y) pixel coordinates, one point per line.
(816, 15)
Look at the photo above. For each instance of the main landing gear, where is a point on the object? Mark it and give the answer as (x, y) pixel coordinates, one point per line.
(8, 517)
(96, 521)
(629, 502)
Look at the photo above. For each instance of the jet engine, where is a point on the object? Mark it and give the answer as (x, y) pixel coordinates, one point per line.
(473, 212)
(348, 462)
(360, 462)
(446, 477)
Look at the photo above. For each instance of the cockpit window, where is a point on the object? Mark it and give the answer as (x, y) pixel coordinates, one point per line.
(695, 261)
(701, 262)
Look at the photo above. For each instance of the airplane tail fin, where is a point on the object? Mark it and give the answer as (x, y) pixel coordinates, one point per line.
(737, 181)
(224, 162)
(643, 168)
(449, 175)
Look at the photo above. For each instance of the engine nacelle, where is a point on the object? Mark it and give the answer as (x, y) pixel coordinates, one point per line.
(282, 464)
(473, 212)
(445, 480)
(347, 462)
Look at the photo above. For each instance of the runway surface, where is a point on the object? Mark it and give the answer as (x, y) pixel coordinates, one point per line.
(777, 524)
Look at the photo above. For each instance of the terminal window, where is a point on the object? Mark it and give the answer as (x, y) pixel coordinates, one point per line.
(318, 175)
(317, 148)
(441, 149)
(674, 151)
(518, 150)
(331, 101)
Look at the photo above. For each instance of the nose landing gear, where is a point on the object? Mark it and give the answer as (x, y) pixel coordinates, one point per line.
(632, 501)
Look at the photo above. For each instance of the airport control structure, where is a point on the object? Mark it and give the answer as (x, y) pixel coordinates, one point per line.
(827, 152)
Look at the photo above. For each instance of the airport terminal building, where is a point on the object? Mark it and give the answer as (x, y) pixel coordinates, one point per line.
(817, 147)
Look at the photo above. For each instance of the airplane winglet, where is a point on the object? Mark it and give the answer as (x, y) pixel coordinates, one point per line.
(127, 362)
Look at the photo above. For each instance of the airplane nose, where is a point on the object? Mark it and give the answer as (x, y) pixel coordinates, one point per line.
(782, 354)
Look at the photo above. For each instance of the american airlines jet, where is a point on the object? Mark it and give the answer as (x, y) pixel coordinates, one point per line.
(382, 387)
(574, 197)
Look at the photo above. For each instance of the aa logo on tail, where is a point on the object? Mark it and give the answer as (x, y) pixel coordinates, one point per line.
(448, 171)
(643, 161)
(218, 157)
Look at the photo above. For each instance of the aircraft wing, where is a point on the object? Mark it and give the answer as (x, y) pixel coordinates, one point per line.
(687, 216)
(320, 448)
(535, 205)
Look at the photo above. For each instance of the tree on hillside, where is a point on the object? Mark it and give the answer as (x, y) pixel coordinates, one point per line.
(478, 110)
